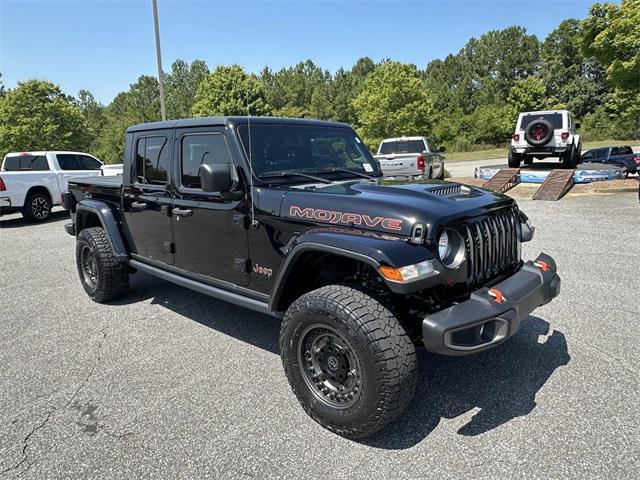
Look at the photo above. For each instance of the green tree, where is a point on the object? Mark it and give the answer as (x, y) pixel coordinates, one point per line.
(182, 85)
(347, 84)
(527, 94)
(94, 114)
(611, 33)
(229, 90)
(573, 81)
(36, 115)
(304, 88)
(140, 104)
(393, 102)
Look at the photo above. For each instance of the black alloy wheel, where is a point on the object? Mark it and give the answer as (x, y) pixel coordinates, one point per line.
(331, 368)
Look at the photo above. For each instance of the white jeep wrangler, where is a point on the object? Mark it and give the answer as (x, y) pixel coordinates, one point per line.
(549, 133)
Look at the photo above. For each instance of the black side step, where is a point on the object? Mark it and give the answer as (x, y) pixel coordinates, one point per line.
(210, 290)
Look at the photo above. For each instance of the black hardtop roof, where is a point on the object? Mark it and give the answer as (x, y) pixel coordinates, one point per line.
(230, 121)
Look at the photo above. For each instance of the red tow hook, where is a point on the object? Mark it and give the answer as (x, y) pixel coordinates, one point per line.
(497, 295)
(544, 266)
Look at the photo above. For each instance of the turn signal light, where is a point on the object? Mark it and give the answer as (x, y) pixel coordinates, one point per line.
(2, 185)
(516, 137)
(565, 135)
(421, 165)
(391, 273)
(409, 273)
(637, 160)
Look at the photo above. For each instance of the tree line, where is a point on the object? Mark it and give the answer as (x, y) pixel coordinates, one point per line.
(469, 100)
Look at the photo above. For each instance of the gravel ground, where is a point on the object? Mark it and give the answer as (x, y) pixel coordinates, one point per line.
(171, 384)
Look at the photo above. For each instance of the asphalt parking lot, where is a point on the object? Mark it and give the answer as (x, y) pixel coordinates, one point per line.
(168, 383)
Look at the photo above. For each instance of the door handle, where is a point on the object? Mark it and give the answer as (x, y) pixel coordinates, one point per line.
(138, 206)
(181, 212)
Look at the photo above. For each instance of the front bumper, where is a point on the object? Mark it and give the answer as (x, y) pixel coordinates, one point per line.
(491, 315)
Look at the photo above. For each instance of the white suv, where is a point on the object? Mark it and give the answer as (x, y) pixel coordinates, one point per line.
(549, 133)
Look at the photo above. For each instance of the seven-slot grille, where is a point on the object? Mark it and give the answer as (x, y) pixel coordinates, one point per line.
(492, 245)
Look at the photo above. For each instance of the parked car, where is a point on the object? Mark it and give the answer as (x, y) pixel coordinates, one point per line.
(33, 182)
(544, 134)
(621, 156)
(412, 157)
(251, 212)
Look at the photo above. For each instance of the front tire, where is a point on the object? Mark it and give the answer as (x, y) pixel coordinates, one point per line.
(37, 207)
(103, 276)
(348, 360)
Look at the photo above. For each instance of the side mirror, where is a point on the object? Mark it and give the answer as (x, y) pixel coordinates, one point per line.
(442, 149)
(215, 177)
(577, 124)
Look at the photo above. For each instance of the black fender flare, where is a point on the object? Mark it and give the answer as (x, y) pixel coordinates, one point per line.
(367, 247)
(104, 212)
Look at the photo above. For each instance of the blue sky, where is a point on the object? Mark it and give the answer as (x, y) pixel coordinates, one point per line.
(104, 46)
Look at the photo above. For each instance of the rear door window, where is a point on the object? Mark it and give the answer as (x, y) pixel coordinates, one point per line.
(152, 160)
(26, 162)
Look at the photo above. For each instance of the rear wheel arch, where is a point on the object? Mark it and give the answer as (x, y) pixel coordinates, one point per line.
(39, 189)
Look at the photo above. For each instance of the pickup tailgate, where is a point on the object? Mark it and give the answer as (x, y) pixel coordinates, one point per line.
(401, 164)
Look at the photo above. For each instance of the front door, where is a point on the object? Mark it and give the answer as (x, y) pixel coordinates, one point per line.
(210, 232)
(147, 200)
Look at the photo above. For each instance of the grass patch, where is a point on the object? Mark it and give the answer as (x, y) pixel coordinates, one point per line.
(502, 152)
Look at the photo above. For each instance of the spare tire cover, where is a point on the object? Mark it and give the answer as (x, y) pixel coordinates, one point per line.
(538, 132)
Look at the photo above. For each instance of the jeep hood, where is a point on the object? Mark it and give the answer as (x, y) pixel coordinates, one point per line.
(390, 209)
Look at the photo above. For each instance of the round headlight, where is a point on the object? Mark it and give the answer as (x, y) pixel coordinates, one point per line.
(443, 245)
(451, 248)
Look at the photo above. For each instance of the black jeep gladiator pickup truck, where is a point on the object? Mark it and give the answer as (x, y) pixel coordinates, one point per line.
(287, 217)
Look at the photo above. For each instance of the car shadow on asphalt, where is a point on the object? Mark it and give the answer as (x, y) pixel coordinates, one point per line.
(501, 383)
(19, 221)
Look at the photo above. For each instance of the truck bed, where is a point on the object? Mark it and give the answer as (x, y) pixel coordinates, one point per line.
(114, 181)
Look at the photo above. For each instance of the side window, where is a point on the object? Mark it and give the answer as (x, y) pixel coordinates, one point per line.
(198, 150)
(88, 163)
(68, 161)
(26, 162)
(587, 155)
(152, 160)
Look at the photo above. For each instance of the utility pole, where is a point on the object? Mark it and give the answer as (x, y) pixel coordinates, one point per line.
(163, 109)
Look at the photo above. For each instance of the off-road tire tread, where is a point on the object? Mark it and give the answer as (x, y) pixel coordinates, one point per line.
(394, 352)
(113, 274)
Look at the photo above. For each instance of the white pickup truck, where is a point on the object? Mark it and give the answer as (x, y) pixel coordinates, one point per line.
(33, 182)
(412, 157)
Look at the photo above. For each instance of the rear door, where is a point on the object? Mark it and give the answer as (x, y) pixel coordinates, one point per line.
(76, 165)
(211, 239)
(146, 198)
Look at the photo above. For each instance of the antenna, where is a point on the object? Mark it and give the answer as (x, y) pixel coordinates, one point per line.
(251, 185)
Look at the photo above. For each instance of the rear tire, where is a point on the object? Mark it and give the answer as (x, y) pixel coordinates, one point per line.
(514, 160)
(37, 207)
(569, 158)
(103, 276)
(348, 360)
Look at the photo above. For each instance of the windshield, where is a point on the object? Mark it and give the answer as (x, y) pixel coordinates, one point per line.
(402, 146)
(305, 148)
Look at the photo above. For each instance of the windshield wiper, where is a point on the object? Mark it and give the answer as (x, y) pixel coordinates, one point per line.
(293, 174)
(339, 169)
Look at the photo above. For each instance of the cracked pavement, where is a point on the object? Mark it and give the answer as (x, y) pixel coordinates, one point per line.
(168, 383)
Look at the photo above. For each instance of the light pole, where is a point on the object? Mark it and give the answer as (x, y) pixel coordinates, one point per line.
(163, 110)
